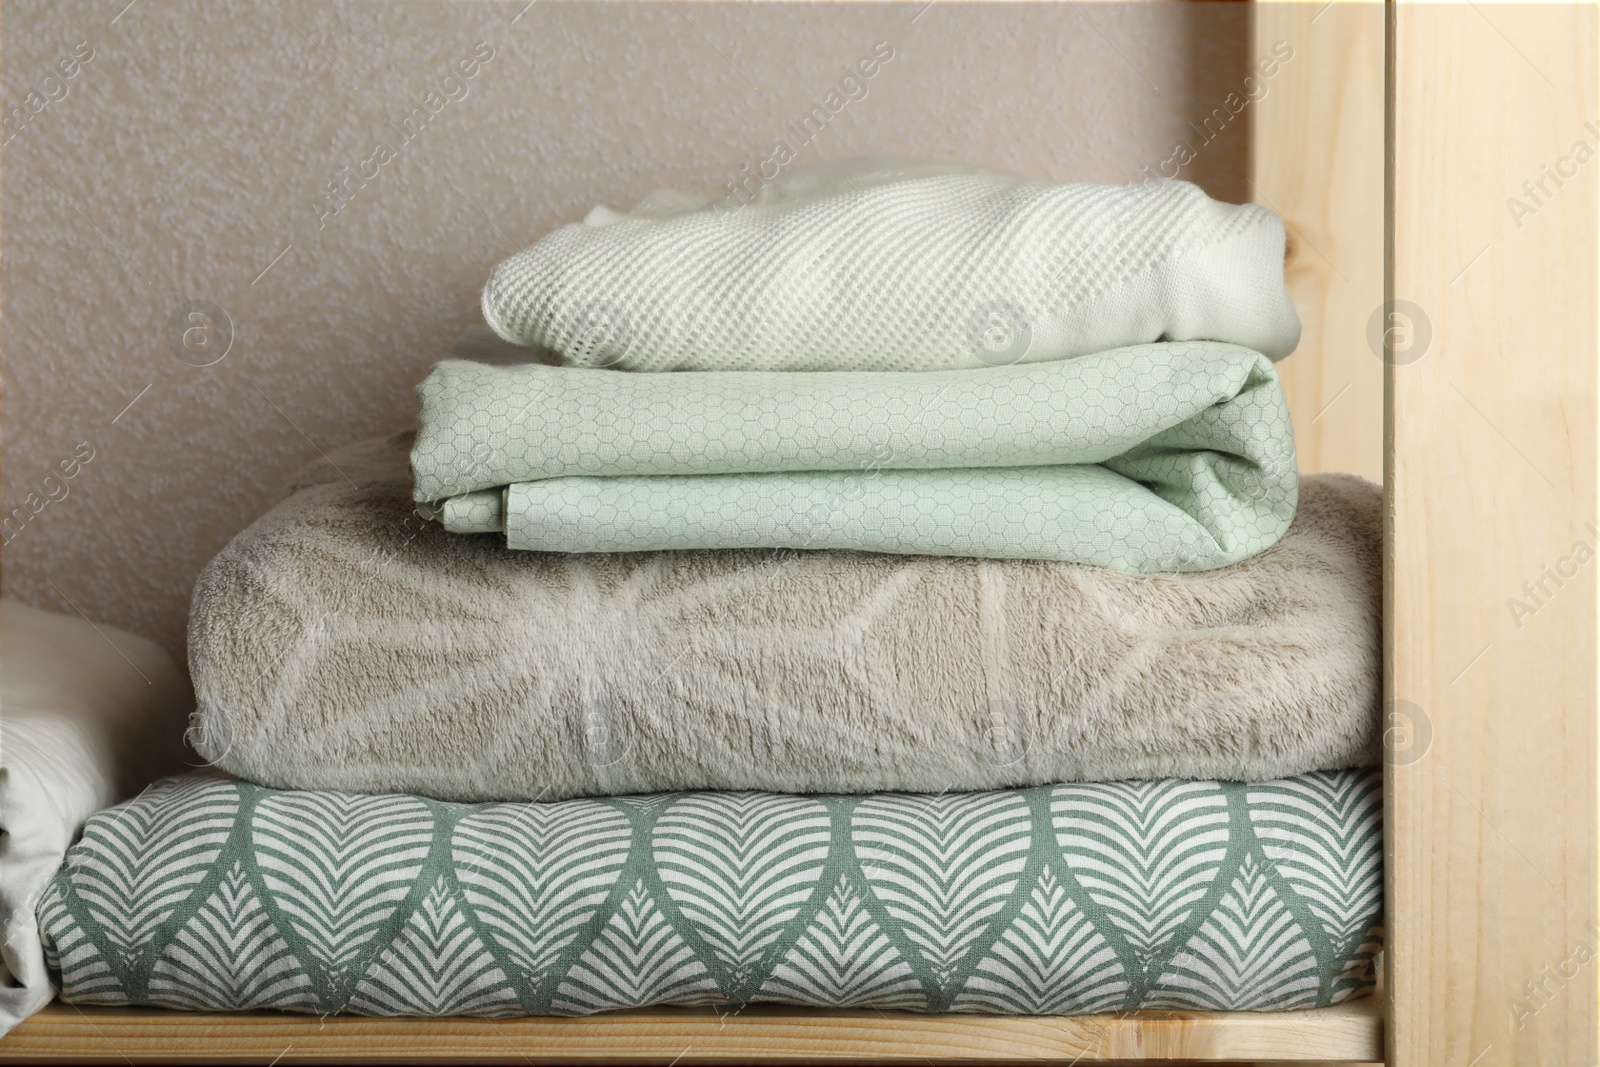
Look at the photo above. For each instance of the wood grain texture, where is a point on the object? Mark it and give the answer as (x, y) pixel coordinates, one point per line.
(1317, 160)
(1491, 802)
(67, 1034)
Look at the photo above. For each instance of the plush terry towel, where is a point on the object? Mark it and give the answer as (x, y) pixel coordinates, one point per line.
(341, 643)
(88, 714)
(1157, 457)
(1063, 900)
(894, 265)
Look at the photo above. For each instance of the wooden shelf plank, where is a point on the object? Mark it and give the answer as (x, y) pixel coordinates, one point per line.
(1490, 622)
(1317, 159)
(68, 1034)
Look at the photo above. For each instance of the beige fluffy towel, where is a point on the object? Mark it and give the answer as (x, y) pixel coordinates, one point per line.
(342, 643)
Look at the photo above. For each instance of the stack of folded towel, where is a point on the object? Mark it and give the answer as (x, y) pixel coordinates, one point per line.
(895, 591)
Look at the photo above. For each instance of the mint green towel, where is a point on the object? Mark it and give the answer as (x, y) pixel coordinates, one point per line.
(1158, 457)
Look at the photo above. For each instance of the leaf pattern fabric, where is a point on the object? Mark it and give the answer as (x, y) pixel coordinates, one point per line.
(208, 893)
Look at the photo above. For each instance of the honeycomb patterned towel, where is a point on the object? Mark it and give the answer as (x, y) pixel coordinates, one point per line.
(1162, 457)
(892, 265)
(214, 895)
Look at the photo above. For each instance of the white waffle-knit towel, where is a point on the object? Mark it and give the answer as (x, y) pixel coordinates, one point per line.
(892, 265)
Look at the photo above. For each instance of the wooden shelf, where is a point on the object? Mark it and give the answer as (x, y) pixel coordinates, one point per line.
(67, 1034)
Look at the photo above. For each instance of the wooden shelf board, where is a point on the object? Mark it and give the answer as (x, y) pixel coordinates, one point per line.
(68, 1034)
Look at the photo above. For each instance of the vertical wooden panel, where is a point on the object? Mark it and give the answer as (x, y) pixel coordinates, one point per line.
(1491, 807)
(1317, 157)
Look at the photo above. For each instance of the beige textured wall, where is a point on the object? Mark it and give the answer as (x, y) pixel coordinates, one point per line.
(184, 158)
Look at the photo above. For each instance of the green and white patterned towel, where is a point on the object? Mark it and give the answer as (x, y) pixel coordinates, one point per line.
(209, 894)
(1161, 457)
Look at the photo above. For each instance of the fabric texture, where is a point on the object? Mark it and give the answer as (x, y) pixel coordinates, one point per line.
(897, 266)
(88, 714)
(210, 894)
(1152, 458)
(340, 642)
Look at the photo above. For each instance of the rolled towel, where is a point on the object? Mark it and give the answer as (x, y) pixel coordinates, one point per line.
(342, 643)
(895, 265)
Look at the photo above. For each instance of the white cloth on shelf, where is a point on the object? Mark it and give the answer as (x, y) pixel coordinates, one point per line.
(892, 265)
(88, 716)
